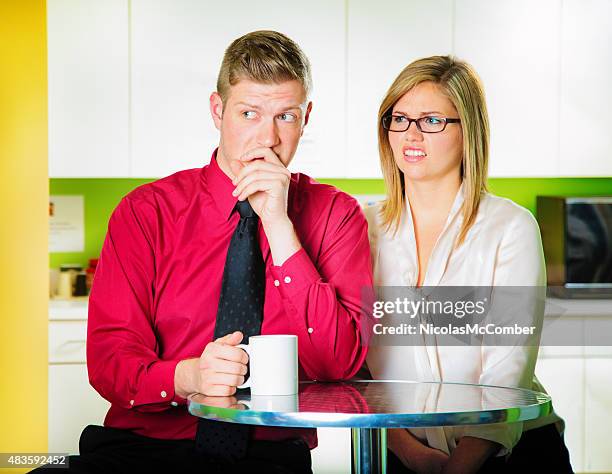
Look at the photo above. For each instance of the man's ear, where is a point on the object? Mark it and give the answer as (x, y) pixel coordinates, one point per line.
(216, 109)
(306, 116)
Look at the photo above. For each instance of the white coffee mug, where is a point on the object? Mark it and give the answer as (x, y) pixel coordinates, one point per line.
(273, 365)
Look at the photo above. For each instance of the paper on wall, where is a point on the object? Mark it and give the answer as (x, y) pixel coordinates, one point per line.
(66, 223)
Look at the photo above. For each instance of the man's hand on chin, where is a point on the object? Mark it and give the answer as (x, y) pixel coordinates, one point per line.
(263, 179)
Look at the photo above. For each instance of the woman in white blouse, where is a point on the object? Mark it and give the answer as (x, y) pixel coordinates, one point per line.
(440, 226)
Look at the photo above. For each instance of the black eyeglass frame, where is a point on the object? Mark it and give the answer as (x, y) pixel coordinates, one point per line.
(416, 121)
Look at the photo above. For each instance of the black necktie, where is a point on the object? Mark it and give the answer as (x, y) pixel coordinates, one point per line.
(240, 309)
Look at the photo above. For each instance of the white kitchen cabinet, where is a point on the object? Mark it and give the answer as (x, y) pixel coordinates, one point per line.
(514, 47)
(586, 96)
(67, 342)
(382, 40)
(129, 80)
(73, 403)
(598, 412)
(87, 45)
(176, 51)
(577, 378)
(333, 453)
(563, 378)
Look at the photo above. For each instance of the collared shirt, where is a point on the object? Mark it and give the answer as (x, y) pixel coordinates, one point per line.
(157, 285)
(502, 248)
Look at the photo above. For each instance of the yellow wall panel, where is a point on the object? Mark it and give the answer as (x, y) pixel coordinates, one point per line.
(23, 226)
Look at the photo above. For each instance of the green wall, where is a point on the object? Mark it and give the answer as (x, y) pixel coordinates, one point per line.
(102, 195)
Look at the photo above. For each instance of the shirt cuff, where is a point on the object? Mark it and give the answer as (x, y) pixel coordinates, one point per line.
(157, 386)
(295, 274)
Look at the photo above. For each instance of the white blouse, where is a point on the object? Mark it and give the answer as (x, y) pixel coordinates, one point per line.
(502, 248)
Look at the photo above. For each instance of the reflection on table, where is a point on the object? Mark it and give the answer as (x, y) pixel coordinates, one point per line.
(377, 404)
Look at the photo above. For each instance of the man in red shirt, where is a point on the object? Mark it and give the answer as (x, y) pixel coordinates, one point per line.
(157, 286)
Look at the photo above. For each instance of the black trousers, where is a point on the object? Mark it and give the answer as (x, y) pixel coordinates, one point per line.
(538, 450)
(113, 451)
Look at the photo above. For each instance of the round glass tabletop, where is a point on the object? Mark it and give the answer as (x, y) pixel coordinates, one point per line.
(377, 404)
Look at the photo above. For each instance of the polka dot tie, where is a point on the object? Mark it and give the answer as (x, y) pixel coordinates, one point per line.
(240, 309)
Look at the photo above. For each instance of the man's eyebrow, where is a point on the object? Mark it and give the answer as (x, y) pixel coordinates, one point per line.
(251, 106)
(294, 107)
(289, 107)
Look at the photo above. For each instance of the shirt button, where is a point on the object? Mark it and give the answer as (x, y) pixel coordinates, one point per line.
(287, 279)
(132, 402)
(310, 330)
(163, 394)
(174, 404)
(276, 282)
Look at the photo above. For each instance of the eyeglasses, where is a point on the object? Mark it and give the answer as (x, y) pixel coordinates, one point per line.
(401, 123)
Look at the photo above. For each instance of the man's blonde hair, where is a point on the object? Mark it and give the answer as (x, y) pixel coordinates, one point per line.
(267, 57)
(458, 80)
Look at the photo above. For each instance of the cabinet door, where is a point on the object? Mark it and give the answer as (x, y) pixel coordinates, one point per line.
(73, 404)
(586, 95)
(514, 47)
(67, 341)
(563, 379)
(177, 47)
(382, 40)
(598, 413)
(333, 453)
(88, 88)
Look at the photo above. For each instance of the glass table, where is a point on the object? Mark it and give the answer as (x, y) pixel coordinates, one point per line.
(369, 407)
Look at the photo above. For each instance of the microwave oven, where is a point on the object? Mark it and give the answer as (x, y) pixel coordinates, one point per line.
(577, 240)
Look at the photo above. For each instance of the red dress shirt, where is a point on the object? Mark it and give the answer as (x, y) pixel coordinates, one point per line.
(157, 286)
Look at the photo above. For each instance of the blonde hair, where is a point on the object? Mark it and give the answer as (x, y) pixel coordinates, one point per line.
(267, 57)
(458, 80)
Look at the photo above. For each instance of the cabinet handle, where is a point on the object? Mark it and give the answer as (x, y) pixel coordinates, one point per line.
(75, 341)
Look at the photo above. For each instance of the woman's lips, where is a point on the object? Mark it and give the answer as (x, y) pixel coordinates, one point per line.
(414, 155)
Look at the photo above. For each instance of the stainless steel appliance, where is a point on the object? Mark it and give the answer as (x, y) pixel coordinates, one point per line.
(577, 239)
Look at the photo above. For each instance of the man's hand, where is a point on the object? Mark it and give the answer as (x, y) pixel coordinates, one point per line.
(263, 179)
(218, 371)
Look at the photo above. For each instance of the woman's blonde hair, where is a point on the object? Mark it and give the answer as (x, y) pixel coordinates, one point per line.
(458, 80)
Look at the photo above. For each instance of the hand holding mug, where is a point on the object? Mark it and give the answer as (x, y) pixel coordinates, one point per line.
(217, 372)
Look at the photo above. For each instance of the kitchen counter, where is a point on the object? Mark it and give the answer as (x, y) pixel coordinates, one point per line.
(578, 308)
